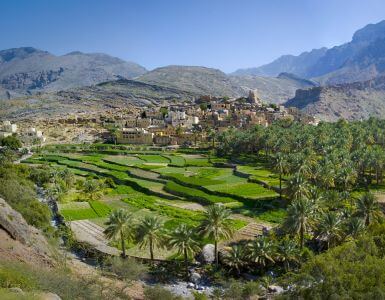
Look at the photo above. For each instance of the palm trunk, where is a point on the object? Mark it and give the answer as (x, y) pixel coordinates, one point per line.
(280, 185)
(301, 234)
(123, 245)
(151, 250)
(185, 262)
(216, 253)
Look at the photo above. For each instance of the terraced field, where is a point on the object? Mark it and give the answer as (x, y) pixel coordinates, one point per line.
(174, 186)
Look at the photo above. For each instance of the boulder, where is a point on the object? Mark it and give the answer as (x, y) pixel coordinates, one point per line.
(190, 285)
(16, 290)
(195, 277)
(207, 254)
(49, 296)
(276, 289)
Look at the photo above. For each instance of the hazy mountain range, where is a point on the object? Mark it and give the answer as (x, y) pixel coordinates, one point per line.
(304, 80)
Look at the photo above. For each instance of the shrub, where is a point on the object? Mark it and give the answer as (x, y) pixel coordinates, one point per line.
(157, 292)
(127, 269)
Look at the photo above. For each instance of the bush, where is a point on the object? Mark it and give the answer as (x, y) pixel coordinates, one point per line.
(157, 292)
(12, 142)
(127, 269)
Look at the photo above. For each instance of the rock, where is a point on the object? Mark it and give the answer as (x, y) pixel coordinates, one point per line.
(16, 290)
(49, 296)
(207, 254)
(195, 277)
(190, 285)
(13, 223)
(276, 289)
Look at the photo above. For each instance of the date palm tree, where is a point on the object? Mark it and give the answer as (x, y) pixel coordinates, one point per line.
(235, 258)
(287, 252)
(216, 226)
(299, 217)
(119, 227)
(329, 228)
(354, 226)
(368, 208)
(149, 234)
(261, 251)
(281, 166)
(183, 238)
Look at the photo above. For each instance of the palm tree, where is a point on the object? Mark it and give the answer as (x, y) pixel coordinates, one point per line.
(298, 187)
(183, 238)
(368, 208)
(299, 215)
(354, 227)
(149, 233)
(118, 227)
(68, 177)
(216, 226)
(92, 187)
(281, 167)
(236, 258)
(329, 228)
(287, 252)
(261, 251)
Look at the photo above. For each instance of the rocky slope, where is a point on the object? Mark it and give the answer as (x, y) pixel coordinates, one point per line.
(273, 89)
(353, 101)
(27, 70)
(22, 242)
(360, 59)
(196, 80)
(287, 63)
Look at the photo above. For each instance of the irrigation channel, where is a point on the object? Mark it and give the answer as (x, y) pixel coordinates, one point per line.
(87, 256)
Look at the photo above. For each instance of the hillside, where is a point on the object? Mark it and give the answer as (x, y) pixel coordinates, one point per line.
(360, 59)
(273, 89)
(196, 80)
(354, 101)
(26, 70)
(287, 63)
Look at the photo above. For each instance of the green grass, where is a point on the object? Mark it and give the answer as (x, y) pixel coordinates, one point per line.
(176, 160)
(195, 194)
(154, 159)
(73, 211)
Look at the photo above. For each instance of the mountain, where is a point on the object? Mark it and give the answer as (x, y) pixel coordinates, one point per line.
(351, 101)
(360, 59)
(196, 80)
(273, 89)
(26, 70)
(286, 64)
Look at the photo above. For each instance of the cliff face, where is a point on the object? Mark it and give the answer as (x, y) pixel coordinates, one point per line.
(354, 101)
(20, 241)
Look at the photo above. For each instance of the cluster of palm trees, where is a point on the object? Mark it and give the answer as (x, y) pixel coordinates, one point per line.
(150, 233)
(304, 218)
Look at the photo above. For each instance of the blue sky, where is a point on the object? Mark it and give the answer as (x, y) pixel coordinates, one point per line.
(225, 34)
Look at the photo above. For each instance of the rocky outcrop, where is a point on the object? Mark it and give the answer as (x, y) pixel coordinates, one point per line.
(21, 241)
(354, 101)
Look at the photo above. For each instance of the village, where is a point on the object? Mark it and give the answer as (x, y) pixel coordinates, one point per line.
(184, 124)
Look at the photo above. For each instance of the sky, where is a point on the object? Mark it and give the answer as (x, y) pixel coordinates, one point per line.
(223, 34)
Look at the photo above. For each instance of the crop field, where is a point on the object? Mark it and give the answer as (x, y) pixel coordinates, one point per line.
(174, 186)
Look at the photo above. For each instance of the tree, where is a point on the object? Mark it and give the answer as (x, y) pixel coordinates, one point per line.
(287, 252)
(281, 166)
(329, 228)
(298, 187)
(118, 227)
(92, 187)
(68, 177)
(261, 251)
(299, 216)
(11, 142)
(235, 258)
(183, 238)
(354, 227)
(216, 226)
(149, 234)
(368, 208)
